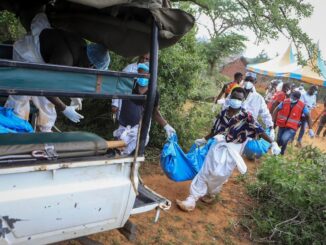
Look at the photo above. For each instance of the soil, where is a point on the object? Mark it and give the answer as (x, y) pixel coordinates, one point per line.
(208, 224)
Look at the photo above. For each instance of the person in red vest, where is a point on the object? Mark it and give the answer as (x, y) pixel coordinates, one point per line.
(287, 116)
(227, 88)
(279, 97)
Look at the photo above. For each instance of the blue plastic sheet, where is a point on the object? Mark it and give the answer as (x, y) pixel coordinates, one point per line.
(4, 130)
(10, 123)
(256, 148)
(180, 166)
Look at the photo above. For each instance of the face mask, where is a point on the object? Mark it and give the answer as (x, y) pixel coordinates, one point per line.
(143, 82)
(293, 100)
(316, 92)
(248, 85)
(288, 92)
(234, 103)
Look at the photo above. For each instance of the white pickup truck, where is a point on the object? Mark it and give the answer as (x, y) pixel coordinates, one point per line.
(49, 195)
(59, 186)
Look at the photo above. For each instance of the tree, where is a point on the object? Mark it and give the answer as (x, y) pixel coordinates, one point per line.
(268, 19)
(10, 28)
(220, 47)
(261, 57)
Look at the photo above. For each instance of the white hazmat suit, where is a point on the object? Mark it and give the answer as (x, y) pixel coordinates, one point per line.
(218, 166)
(27, 49)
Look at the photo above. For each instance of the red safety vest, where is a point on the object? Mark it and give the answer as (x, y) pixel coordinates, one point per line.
(289, 117)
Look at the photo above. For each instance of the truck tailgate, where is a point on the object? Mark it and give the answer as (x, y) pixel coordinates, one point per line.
(148, 200)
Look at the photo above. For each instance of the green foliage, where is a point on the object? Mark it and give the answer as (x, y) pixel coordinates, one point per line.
(190, 125)
(180, 69)
(261, 57)
(267, 19)
(211, 84)
(291, 198)
(222, 46)
(10, 28)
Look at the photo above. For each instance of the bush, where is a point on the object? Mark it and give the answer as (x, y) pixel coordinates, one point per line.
(180, 68)
(190, 124)
(291, 198)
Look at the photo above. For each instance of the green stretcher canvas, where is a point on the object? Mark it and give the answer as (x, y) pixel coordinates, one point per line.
(36, 79)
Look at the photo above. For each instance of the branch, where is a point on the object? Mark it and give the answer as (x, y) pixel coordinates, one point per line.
(275, 229)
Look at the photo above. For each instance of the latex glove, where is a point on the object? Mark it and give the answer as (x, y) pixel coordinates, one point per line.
(275, 148)
(200, 142)
(77, 102)
(311, 133)
(71, 114)
(169, 130)
(221, 101)
(272, 134)
(219, 137)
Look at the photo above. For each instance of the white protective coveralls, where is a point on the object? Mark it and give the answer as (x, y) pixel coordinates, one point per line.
(129, 136)
(218, 166)
(256, 105)
(27, 49)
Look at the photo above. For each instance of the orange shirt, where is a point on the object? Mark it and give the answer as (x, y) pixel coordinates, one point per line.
(230, 87)
(279, 96)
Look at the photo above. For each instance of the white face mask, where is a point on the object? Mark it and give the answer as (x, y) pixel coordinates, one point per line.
(288, 92)
(248, 85)
(234, 103)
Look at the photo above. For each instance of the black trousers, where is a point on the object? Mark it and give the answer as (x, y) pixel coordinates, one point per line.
(321, 124)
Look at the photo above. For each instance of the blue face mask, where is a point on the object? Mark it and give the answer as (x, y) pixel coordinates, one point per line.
(316, 92)
(143, 82)
(234, 103)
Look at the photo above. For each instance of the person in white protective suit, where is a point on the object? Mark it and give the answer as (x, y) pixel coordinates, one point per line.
(232, 128)
(132, 111)
(131, 68)
(42, 44)
(255, 104)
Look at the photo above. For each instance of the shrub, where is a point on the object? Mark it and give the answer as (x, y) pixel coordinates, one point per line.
(290, 194)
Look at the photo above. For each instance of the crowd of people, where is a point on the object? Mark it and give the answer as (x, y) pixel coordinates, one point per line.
(285, 107)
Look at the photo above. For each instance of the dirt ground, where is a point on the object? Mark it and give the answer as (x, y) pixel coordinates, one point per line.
(208, 224)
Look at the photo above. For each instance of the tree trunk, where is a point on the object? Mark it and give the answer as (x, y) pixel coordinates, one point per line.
(212, 65)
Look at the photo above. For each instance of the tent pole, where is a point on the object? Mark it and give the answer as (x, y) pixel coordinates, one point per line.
(151, 88)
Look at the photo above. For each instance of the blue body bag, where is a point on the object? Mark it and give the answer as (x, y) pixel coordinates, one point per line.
(10, 123)
(179, 166)
(256, 148)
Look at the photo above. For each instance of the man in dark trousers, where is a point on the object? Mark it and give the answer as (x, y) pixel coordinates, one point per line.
(131, 112)
(287, 116)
